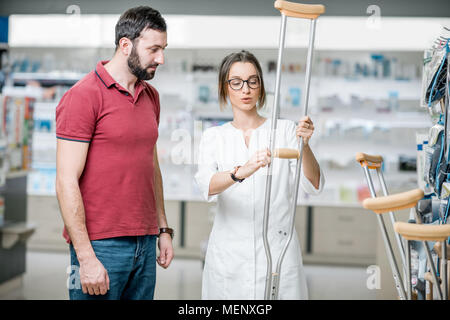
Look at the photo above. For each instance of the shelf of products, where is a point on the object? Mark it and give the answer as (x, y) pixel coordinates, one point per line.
(347, 115)
(16, 141)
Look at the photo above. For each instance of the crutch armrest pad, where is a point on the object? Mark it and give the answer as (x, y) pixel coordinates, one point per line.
(369, 159)
(286, 153)
(438, 249)
(394, 202)
(428, 277)
(426, 232)
(299, 10)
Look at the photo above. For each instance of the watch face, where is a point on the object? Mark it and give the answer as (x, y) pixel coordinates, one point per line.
(167, 230)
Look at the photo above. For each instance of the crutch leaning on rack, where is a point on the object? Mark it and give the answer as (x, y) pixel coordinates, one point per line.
(295, 10)
(439, 251)
(414, 232)
(375, 162)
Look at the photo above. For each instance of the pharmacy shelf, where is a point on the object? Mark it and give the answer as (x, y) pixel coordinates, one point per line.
(17, 174)
(47, 79)
(13, 232)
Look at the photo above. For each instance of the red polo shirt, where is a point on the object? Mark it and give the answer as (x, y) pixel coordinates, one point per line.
(117, 183)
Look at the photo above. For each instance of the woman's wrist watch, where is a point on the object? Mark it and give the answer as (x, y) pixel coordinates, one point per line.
(233, 172)
(166, 230)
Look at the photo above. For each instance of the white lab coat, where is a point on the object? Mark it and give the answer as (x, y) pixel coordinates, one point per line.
(235, 264)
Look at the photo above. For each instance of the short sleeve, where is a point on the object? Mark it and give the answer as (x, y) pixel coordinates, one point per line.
(307, 186)
(207, 164)
(75, 117)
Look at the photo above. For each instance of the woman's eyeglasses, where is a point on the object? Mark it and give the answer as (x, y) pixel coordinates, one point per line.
(237, 84)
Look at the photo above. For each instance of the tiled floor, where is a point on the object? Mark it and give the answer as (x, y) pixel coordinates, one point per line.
(46, 278)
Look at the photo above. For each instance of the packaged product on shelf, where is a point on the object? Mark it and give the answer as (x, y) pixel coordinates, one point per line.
(295, 95)
(421, 141)
(393, 101)
(17, 129)
(407, 163)
(347, 193)
(27, 137)
(42, 180)
(203, 94)
(363, 192)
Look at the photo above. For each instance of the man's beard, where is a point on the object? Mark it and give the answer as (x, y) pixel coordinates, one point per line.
(136, 69)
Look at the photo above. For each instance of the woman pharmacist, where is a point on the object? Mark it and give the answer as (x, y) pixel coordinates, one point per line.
(232, 169)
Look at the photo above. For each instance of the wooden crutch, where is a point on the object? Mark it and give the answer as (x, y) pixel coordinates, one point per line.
(439, 251)
(303, 11)
(412, 231)
(375, 162)
(392, 203)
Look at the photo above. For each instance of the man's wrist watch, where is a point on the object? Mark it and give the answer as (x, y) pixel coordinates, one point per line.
(166, 230)
(232, 173)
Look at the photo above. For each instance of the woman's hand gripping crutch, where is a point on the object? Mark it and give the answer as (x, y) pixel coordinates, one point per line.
(295, 10)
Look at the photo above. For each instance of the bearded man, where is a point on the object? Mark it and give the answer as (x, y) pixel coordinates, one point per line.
(108, 180)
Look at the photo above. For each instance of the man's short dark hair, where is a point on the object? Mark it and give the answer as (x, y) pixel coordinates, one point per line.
(134, 20)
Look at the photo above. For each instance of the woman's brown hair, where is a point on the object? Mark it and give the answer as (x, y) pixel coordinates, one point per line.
(225, 66)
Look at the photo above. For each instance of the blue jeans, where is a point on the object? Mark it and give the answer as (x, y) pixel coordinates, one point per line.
(131, 266)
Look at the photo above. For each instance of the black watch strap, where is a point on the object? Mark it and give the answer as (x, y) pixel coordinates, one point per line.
(167, 230)
(234, 177)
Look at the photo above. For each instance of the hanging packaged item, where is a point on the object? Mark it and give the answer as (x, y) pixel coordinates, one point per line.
(435, 76)
(426, 75)
(443, 210)
(445, 190)
(432, 152)
(438, 168)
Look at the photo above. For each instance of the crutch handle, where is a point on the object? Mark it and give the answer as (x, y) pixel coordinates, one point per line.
(286, 153)
(299, 10)
(426, 232)
(429, 277)
(438, 249)
(371, 161)
(394, 202)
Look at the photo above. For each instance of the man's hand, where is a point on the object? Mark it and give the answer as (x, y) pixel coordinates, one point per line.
(94, 277)
(165, 250)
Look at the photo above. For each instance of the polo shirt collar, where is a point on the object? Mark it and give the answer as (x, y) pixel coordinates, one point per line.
(104, 76)
(109, 81)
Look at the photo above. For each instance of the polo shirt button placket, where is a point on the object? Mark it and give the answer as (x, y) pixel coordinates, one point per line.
(128, 95)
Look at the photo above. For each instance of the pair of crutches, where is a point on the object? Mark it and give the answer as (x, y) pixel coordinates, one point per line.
(409, 231)
(295, 10)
